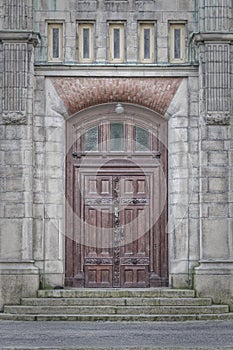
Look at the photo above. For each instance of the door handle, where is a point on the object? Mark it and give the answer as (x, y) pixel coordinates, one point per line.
(116, 216)
(122, 232)
(116, 212)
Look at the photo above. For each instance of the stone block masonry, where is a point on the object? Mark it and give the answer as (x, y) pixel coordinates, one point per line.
(38, 99)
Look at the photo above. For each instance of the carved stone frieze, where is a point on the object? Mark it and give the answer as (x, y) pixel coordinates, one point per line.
(218, 118)
(16, 118)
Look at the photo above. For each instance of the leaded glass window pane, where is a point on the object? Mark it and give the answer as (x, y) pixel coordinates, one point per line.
(177, 42)
(142, 139)
(146, 43)
(86, 43)
(55, 42)
(91, 139)
(116, 36)
(116, 136)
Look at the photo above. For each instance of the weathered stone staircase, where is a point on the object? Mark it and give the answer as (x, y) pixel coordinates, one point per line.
(160, 304)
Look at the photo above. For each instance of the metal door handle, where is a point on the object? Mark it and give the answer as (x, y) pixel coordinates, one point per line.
(116, 213)
(116, 216)
(122, 232)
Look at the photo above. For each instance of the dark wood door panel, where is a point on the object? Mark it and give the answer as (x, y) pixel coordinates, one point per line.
(135, 276)
(116, 216)
(98, 276)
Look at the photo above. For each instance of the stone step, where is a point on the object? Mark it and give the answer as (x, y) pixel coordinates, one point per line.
(117, 310)
(106, 318)
(158, 304)
(116, 301)
(117, 293)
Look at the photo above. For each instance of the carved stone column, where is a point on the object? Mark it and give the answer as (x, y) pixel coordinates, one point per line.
(18, 275)
(214, 276)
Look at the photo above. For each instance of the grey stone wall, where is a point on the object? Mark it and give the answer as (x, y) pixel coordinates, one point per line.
(102, 11)
(32, 131)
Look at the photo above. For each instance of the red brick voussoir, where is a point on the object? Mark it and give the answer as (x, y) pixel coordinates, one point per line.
(80, 93)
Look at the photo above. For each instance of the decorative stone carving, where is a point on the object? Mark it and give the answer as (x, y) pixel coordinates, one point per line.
(218, 118)
(14, 118)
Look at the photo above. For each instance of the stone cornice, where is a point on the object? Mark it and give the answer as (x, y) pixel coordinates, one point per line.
(20, 36)
(127, 70)
(200, 38)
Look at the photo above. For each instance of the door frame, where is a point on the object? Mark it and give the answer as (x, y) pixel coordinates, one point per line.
(144, 117)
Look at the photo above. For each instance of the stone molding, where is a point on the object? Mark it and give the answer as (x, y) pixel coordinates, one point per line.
(200, 38)
(20, 36)
(18, 268)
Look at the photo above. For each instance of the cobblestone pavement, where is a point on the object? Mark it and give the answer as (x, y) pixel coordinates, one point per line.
(120, 335)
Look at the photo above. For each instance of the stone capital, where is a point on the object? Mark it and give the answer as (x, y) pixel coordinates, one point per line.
(20, 36)
(202, 38)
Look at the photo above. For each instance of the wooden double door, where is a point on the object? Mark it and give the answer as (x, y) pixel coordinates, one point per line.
(116, 210)
(116, 248)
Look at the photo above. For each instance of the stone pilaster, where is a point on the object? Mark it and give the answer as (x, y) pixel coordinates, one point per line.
(17, 42)
(214, 15)
(214, 276)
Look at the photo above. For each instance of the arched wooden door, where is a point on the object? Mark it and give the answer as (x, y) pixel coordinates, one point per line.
(116, 176)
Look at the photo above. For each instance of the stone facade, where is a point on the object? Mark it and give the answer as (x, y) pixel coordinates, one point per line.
(39, 96)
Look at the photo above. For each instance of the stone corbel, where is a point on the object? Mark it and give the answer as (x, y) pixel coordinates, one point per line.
(218, 118)
(14, 118)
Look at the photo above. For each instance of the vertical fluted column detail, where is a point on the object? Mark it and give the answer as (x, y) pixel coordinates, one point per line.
(214, 15)
(18, 14)
(217, 77)
(15, 82)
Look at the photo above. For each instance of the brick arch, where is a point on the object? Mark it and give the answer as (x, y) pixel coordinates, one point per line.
(80, 93)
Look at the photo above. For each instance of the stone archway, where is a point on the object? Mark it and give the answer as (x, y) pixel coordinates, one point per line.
(59, 104)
